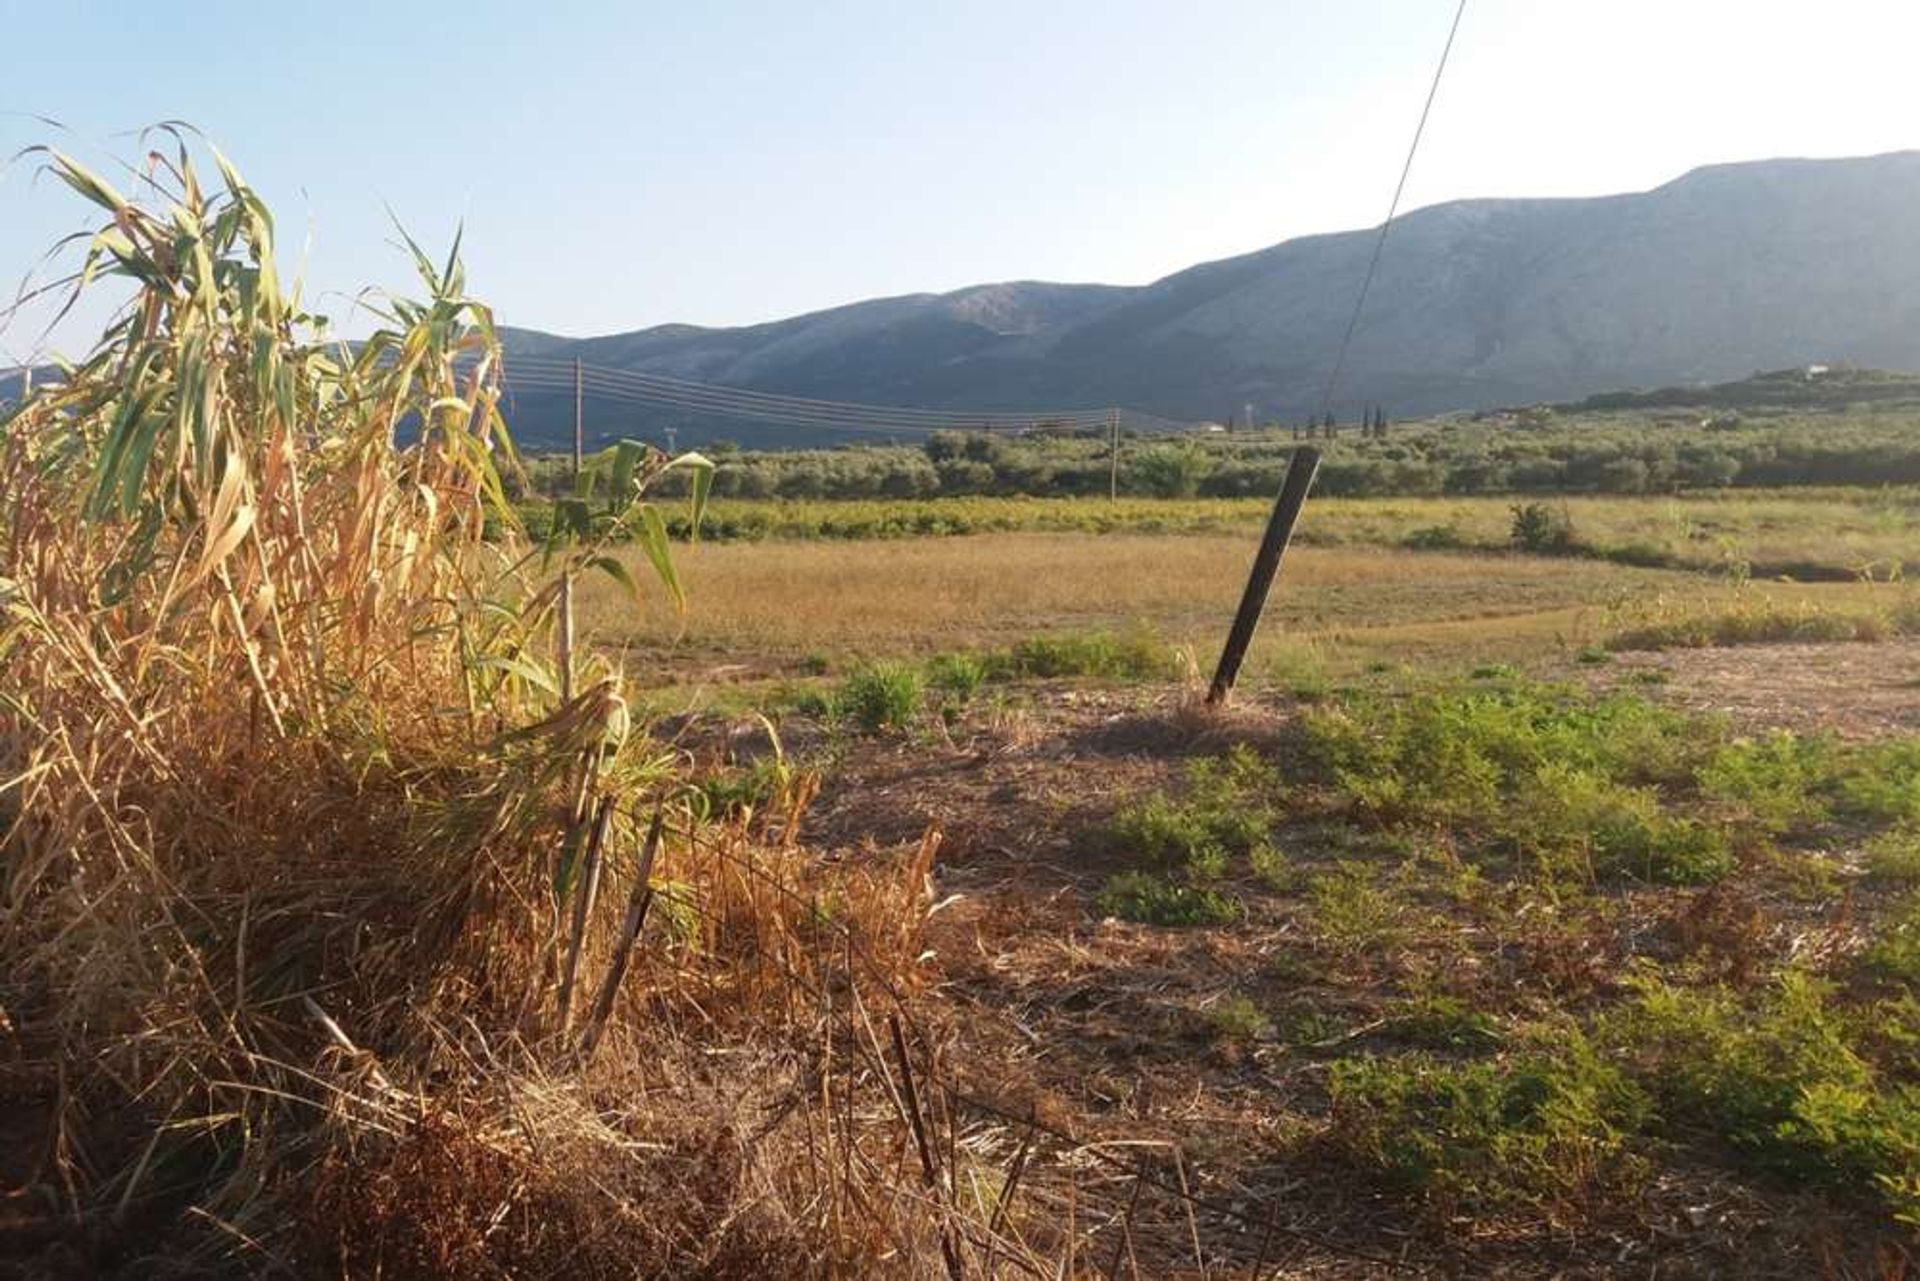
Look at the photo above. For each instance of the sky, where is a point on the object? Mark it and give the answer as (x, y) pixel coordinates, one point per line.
(617, 164)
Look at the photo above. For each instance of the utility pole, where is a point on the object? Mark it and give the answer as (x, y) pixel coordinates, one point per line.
(566, 577)
(579, 419)
(1113, 455)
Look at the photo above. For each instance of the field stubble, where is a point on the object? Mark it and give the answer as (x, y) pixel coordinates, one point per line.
(759, 609)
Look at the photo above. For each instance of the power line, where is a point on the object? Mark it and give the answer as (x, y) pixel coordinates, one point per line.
(551, 375)
(880, 429)
(1380, 242)
(776, 411)
(686, 389)
(683, 386)
(557, 377)
(622, 395)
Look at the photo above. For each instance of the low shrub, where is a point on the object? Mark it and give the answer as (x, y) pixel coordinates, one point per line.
(1270, 867)
(881, 696)
(1236, 1018)
(733, 792)
(1536, 1128)
(959, 676)
(1229, 812)
(1541, 529)
(1165, 834)
(1895, 950)
(1894, 855)
(1781, 1079)
(1441, 1022)
(1436, 538)
(1772, 783)
(1154, 900)
(1565, 783)
(1352, 912)
(1576, 823)
(1881, 781)
(1135, 655)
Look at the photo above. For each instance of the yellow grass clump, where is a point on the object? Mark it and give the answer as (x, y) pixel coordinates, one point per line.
(345, 923)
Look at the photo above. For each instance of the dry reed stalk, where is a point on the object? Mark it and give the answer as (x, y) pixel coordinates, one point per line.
(291, 727)
(639, 899)
(583, 902)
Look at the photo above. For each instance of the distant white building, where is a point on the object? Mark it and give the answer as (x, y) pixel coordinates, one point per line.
(1815, 371)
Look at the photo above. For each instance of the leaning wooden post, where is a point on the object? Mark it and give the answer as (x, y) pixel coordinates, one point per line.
(1266, 566)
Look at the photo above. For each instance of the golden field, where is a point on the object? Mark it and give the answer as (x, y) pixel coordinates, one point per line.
(793, 599)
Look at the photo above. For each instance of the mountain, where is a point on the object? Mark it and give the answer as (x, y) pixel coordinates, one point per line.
(13, 382)
(1728, 269)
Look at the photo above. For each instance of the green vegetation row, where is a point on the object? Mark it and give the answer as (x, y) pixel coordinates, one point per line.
(892, 694)
(1758, 620)
(1805, 534)
(1535, 451)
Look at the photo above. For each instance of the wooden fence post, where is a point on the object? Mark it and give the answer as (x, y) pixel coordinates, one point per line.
(1266, 566)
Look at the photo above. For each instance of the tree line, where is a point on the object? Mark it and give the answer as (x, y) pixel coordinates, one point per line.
(1537, 451)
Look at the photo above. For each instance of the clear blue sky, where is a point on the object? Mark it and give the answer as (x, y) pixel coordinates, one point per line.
(623, 164)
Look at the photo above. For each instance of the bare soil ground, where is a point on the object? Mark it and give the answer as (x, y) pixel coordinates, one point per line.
(1100, 1027)
(1853, 691)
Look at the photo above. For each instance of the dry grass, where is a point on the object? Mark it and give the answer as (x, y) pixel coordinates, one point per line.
(1368, 942)
(335, 936)
(1338, 607)
(942, 592)
(1846, 689)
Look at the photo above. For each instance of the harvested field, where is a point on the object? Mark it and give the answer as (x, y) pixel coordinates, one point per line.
(775, 603)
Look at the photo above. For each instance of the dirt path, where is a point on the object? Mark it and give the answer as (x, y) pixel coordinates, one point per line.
(1855, 691)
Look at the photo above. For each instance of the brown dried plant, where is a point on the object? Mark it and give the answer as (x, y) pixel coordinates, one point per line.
(312, 805)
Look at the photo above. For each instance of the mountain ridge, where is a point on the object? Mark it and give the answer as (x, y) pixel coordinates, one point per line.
(1723, 270)
(1726, 269)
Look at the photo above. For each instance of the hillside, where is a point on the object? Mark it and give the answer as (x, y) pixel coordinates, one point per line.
(1725, 270)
